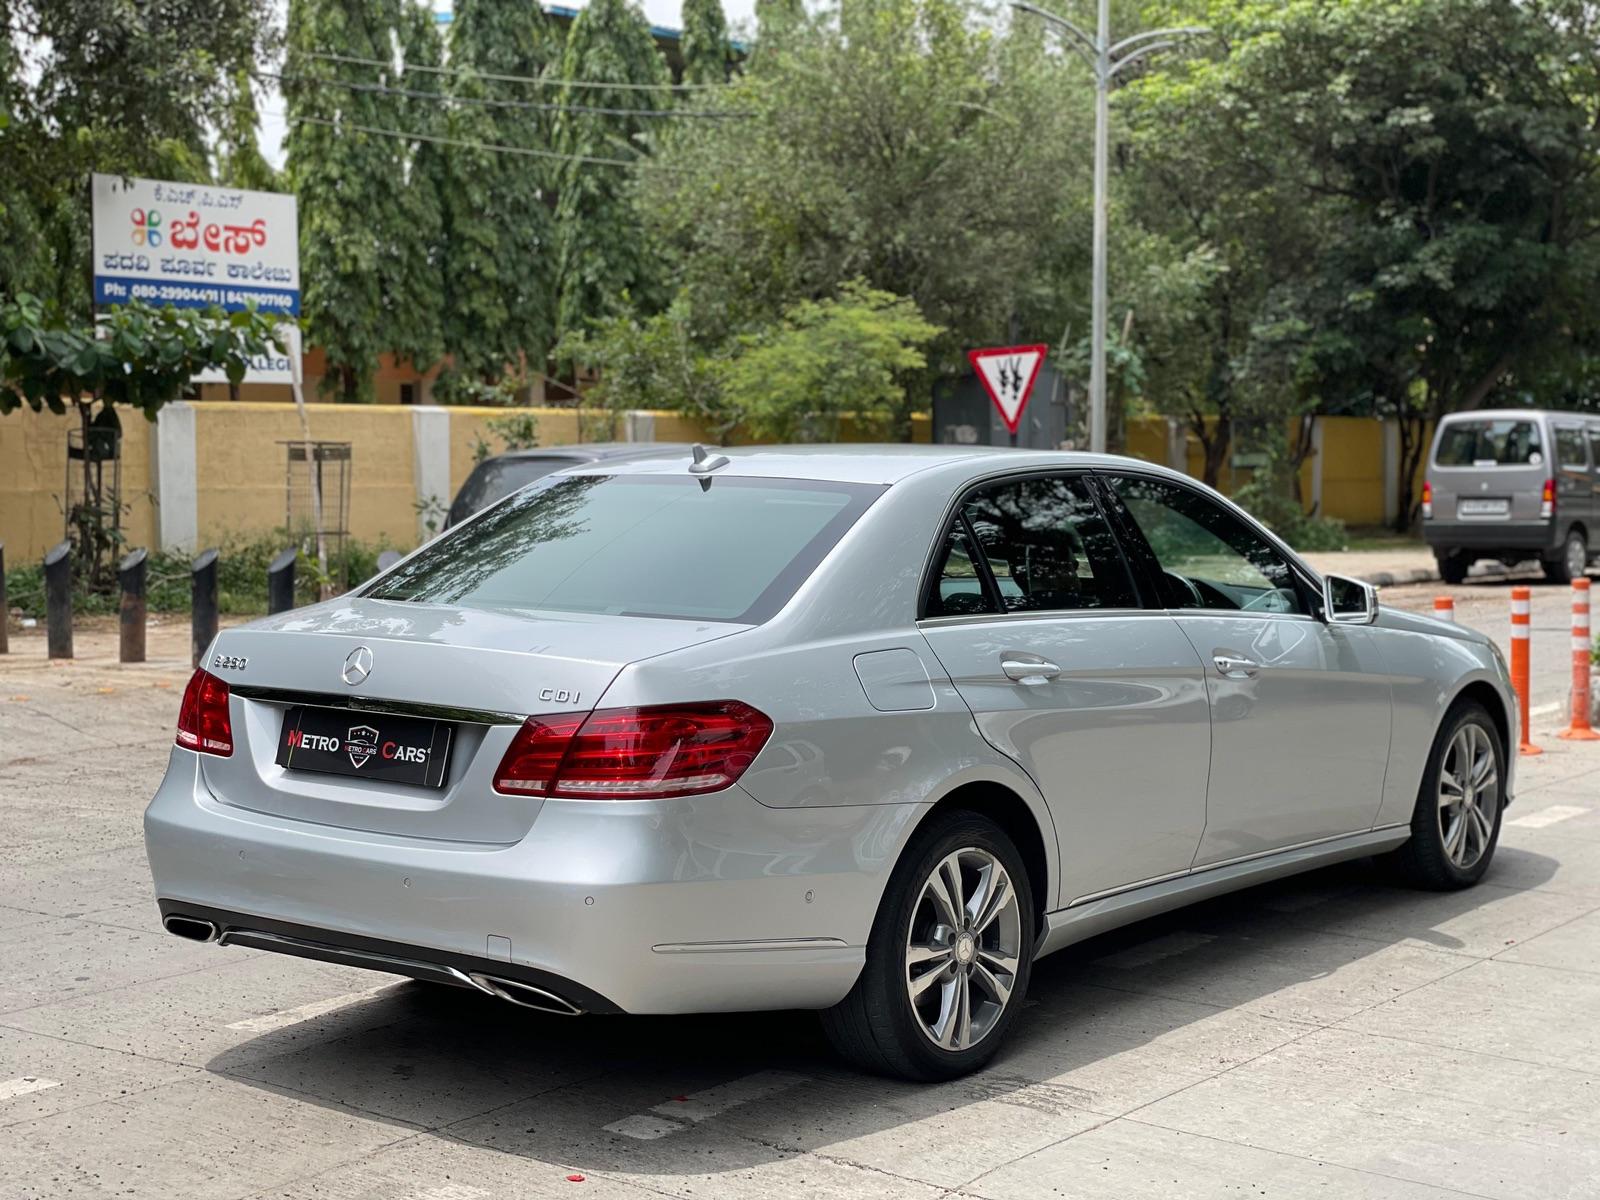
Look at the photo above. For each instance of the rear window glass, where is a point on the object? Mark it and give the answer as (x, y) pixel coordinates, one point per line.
(1490, 444)
(637, 545)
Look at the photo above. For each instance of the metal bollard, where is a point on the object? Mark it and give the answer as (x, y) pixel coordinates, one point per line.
(1444, 608)
(5, 613)
(1578, 728)
(203, 603)
(130, 577)
(58, 600)
(280, 582)
(1521, 622)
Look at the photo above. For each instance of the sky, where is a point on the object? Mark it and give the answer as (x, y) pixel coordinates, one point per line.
(660, 12)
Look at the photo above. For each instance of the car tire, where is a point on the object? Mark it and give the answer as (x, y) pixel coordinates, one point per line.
(1453, 566)
(1573, 560)
(879, 1026)
(1440, 856)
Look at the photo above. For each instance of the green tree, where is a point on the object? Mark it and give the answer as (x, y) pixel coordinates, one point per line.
(707, 57)
(414, 292)
(240, 162)
(926, 154)
(500, 270)
(823, 360)
(605, 260)
(346, 180)
(1461, 182)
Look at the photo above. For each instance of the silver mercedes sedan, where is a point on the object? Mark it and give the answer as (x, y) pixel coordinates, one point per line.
(859, 729)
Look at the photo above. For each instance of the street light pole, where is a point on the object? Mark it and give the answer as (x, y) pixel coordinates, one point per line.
(1106, 59)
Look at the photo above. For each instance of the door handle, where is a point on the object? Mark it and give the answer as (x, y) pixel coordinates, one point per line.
(1235, 668)
(1029, 672)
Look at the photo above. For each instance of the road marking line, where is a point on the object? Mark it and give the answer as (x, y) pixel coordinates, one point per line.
(1152, 952)
(674, 1116)
(1548, 816)
(306, 1012)
(1545, 710)
(26, 1086)
(450, 1191)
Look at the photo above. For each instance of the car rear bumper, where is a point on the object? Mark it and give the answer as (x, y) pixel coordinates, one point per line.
(1528, 537)
(701, 904)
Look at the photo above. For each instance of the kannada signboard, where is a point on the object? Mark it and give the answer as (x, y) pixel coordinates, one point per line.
(191, 245)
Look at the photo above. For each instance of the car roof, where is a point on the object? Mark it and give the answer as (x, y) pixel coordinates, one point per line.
(863, 462)
(1516, 414)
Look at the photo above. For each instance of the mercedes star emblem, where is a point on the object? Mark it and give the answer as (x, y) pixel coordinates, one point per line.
(357, 666)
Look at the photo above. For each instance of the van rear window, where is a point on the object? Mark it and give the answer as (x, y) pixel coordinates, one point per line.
(1489, 444)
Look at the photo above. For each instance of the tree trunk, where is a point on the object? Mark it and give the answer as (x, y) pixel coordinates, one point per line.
(1299, 450)
(1411, 446)
(1215, 441)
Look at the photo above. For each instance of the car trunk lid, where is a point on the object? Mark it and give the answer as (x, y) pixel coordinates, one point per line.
(477, 671)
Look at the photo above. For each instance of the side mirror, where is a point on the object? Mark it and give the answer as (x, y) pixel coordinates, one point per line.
(1348, 601)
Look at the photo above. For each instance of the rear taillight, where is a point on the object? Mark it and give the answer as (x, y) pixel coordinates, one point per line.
(1427, 500)
(203, 720)
(634, 753)
(1547, 499)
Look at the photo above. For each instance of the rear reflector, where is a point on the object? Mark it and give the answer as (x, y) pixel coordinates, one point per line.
(203, 720)
(634, 753)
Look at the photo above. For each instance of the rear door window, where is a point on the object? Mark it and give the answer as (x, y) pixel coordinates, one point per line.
(1570, 450)
(1490, 443)
(734, 549)
(1048, 546)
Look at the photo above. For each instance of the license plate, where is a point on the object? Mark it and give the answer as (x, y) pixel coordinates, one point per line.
(1484, 508)
(341, 741)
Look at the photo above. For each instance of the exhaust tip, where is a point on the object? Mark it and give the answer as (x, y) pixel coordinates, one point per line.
(192, 928)
(525, 995)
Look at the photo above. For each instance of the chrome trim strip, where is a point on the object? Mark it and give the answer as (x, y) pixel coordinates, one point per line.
(1090, 916)
(820, 943)
(398, 708)
(1091, 897)
(258, 939)
(1055, 614)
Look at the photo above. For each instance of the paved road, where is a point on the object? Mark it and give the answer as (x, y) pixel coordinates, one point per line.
(1330, 1036)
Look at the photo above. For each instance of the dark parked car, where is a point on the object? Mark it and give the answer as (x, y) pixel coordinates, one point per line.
(496, 478)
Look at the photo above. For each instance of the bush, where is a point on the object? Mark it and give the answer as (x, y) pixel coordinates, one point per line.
(241, 578)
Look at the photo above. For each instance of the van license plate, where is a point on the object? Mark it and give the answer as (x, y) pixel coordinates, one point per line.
(1484, 508)
(343, 741)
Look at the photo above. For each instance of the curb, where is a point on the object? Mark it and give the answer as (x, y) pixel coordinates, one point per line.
(1384, 579)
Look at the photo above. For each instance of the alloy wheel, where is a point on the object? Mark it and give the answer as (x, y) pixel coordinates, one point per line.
(962, 949)
(1468, 794)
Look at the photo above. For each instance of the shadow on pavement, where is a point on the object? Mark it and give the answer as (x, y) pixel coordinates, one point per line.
(1110, 1025)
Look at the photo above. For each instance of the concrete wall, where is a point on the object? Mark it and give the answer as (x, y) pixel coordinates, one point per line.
(211, 469)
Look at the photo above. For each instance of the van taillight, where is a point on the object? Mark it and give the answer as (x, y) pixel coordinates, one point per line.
(1427, 500)
(1547, 500)
(634, 753)
(203, 720)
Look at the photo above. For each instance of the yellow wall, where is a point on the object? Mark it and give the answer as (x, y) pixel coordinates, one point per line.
(33, 467)
(240, 466)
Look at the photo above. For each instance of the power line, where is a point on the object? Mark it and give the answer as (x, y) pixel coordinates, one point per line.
(448, 141)
(530, 80)
(494, 102)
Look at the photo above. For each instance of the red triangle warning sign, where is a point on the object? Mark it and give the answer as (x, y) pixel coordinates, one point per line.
(1008, 373)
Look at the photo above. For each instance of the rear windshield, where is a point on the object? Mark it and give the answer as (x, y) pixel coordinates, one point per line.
(497, 478)
(1490, 444)
(637, 545)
